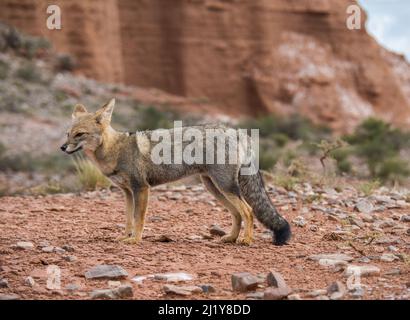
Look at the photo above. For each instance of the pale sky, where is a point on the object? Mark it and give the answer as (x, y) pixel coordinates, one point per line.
(389, 22)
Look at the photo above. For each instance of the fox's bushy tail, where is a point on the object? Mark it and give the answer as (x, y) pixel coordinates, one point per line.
(253, 191)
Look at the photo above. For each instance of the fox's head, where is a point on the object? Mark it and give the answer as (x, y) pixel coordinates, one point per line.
(87, 128)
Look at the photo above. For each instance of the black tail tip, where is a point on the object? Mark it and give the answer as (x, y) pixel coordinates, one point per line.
(282, 235)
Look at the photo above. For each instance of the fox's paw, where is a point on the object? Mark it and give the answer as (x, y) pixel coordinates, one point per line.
(228, 239)
(122, 238)
(245, 241)
(131, 240)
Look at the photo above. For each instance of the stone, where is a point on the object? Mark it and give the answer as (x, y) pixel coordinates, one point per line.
(280, 293)
(322, 298)
(24, 245)
(336, 290)
(4, 283)
(47, 249)
(294, 296)
(255, 296)
(299, 221)
(123, 291)
(215, 230)
(405, 218)
(332, 263)
(331, 256)
(174, 276)
(208, 288)
(275, 279)
(67, 248)
(72, 287)
(102, 294)
(59, 250)
(181, 290)
(316, 293)
(29, 281)
(70, 258)
(364, 206)
(104, 271)
(244, 281)
(388, 257)
(114, 284)
(363, 271)
(9, 297)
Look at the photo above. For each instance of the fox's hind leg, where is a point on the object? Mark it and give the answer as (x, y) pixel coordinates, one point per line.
(230, 189)
(236, 216)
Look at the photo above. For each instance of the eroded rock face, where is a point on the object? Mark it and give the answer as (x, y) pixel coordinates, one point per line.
(249, 57)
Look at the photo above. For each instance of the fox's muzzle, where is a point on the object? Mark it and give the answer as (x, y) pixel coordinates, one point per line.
(68, 148)
(64, 147)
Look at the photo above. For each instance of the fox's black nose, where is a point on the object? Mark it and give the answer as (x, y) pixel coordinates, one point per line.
(64, 147)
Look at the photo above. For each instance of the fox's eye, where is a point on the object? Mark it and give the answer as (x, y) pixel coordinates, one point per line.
(80, 134)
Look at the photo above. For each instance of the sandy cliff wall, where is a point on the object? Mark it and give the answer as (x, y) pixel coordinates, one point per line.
(248, 56)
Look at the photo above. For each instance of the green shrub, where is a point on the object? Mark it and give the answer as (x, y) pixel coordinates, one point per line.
(4, 70)
(151, 118)
(379, 144)
(393, 169)
(65, 62)
(89, 176)
(29, 72)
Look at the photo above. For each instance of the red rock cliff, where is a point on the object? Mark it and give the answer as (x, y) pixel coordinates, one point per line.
(248, 56)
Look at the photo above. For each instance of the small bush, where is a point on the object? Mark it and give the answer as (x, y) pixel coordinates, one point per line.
(379, 144)
(151, 118)
(4, 70)
(28, 72)
(367, 188)
(65, 62)
(89, 176)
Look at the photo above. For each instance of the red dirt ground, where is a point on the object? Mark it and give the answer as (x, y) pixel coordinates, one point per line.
(91, 222)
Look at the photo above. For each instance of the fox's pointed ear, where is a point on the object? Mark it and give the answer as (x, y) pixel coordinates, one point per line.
(79, 110)
(105, 113)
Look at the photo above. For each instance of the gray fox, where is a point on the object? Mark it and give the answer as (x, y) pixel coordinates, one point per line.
(126, 159)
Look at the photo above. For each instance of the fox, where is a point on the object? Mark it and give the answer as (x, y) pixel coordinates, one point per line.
(126, 159)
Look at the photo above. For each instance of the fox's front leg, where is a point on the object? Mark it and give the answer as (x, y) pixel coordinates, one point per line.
(140, 209)
(129, 212)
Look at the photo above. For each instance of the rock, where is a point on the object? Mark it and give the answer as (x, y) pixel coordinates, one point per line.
(336, 290)
(388, 257)
(215, 230)
(43, 244)
(332, 263)
(59, 250)
(361, 270)
(9, 297)
(358, 292)
(70, 258)
(47, 249)
(67, 248)
(280, 293)
(316, 293)
(367, 218)
(244, 281)
(208, 288)
(393, 272)
(322, 298)
(72, 287)
(102, 294)
(331, 256)
(181, 290)
(53, 277)
(104, 271)
(255, 296)
(24, 245)
(123, 291)
(275, 279)
(4, 283)
(405, 218)
(294, 296)
(364, 206)
(29, 281)
(174, 276)
(299, 221)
